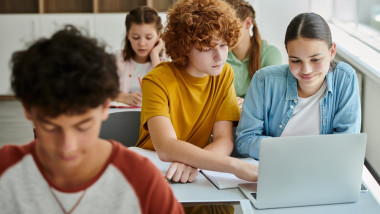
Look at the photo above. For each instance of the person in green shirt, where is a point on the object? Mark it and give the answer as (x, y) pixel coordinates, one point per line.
(251, 53)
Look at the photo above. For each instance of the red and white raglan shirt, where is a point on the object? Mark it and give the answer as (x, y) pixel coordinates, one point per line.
(128, 183)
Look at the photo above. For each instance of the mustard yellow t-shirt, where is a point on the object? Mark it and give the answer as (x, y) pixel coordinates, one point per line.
(192, 104)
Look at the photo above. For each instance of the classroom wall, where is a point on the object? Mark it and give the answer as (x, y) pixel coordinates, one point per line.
(274, 16)
(371, 118)
(19, 30)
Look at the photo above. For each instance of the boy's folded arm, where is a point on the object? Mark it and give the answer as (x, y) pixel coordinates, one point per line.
(170, 149)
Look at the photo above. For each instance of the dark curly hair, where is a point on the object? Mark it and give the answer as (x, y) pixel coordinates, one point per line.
(66, 74)
(199, 24)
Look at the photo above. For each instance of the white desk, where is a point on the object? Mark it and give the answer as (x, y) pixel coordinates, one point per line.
(202, 190)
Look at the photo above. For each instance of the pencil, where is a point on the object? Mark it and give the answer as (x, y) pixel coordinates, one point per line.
(140, 82)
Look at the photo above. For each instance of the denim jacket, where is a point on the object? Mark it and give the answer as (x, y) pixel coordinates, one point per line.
(272, 96)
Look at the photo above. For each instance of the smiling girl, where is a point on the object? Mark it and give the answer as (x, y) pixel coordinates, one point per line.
(141, 53)
(310, 96)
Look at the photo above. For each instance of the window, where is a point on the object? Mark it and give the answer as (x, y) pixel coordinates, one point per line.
(361, 20)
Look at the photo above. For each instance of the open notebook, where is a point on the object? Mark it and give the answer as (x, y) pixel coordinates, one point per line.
(224, 180)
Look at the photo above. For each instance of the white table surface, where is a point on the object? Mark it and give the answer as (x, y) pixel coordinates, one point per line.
(202, 190)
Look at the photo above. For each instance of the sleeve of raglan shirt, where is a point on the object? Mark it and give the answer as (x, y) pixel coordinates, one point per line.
(9, 156)
(153, 191)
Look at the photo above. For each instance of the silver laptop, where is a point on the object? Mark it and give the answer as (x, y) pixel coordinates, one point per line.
(308, 170)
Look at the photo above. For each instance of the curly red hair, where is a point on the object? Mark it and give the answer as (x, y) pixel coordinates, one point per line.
(199, 24)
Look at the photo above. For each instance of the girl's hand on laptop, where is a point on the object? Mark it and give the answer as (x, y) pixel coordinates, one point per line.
(246, 171)
(179, 172)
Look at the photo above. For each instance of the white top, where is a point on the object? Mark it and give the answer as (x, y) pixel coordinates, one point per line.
(140, 71)
(306, 117)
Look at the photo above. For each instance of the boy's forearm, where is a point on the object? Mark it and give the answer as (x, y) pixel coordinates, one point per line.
(184, 152)
(221, 146)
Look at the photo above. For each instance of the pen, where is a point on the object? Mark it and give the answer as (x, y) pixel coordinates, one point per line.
(140, 82)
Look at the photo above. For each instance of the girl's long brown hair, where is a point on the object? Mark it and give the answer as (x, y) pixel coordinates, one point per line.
(243, 10)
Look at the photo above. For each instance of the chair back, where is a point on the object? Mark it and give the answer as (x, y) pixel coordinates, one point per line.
(122, 126)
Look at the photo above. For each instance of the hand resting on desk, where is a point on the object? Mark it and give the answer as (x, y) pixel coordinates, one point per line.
(132, 99)
(170, 149)
(179, 172)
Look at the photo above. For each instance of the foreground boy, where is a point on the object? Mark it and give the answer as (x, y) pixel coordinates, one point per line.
(65, 85)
